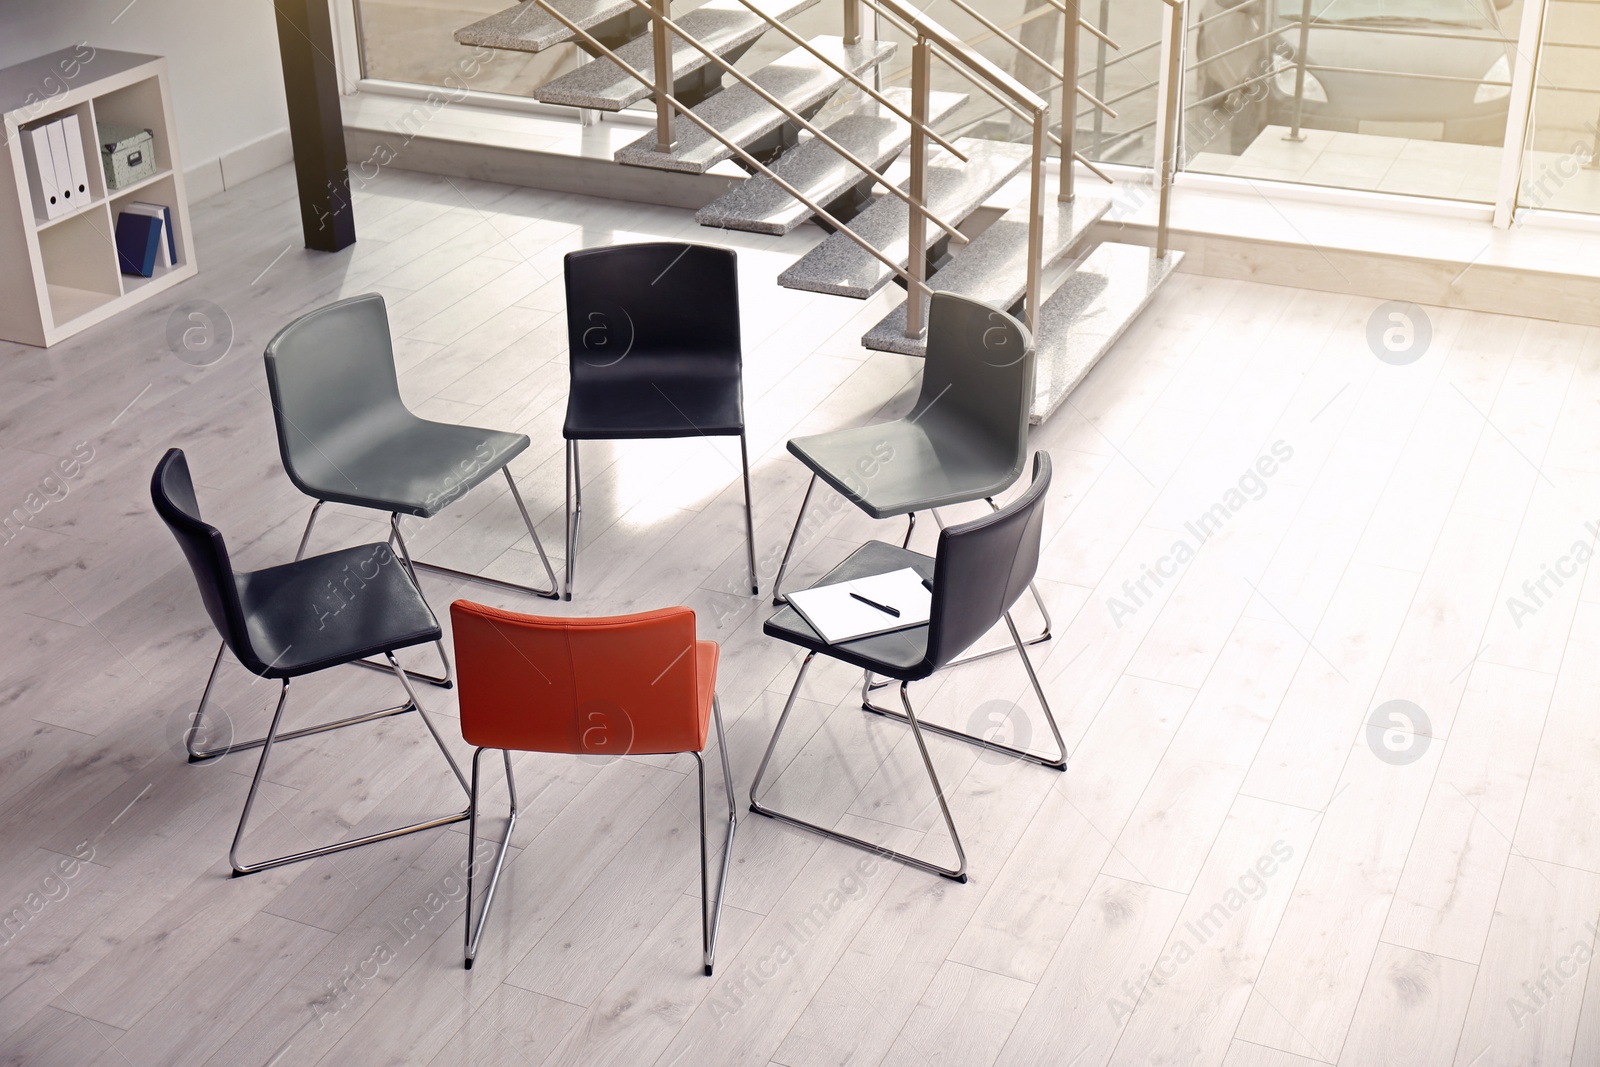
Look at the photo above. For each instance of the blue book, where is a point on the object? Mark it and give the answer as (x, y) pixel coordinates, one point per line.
(164, 213)
(138, 241)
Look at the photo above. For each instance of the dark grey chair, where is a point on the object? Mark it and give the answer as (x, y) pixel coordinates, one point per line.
(654, 348)
(965, 439)
(981, 568)
(346, 436)
(297, 619)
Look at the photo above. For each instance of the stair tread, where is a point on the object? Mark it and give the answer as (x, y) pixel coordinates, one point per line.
(876, 136)
(994, 267)
(797, 78)
(527, 27)
(721, 25)
(840, 267)
(1088, 313)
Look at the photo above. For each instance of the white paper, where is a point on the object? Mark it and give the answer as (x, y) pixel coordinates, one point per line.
(837, 616)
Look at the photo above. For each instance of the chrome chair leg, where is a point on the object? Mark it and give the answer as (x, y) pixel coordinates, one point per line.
(711, 919)
(1055, 762)
(574, 514)
(305, 538)
(777, 584)
(552, 593)
(749, 517)
(443, 681)
(473, 936)
(240, 869)
(911, 527)
(197, 727)
(957, 873)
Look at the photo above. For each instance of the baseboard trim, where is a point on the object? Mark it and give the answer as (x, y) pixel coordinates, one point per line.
(238, 165)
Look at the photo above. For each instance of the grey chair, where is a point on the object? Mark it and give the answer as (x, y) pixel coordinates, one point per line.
(966, 438)
(347, 437)
(981, 568)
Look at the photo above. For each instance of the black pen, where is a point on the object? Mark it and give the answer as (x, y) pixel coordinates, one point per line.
(881, 607)
(927, 583)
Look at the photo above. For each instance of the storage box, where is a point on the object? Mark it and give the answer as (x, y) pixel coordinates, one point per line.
(128, 154)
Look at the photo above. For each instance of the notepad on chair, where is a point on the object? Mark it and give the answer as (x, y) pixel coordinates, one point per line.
(839, 616)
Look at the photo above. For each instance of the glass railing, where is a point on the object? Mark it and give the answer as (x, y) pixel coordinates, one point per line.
(1396, 96)
(1561, 164)
(413, 41)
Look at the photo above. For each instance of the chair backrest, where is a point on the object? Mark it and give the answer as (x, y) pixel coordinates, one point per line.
(172, 491)
(979, 367)
(331, 372)
(659, 299)
(983, 566)
(602, 686)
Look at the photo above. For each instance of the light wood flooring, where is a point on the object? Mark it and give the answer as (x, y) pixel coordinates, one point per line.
(1228, 874)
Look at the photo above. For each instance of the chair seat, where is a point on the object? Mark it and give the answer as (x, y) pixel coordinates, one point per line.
(404, 464)
(898, 467)
(321, 612)
(653, 403)
(900, 654)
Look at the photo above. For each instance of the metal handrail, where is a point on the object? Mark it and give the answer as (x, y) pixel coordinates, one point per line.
(668, 23)
(1030, 54)
(933, 40)
(913, 283)
(989, 25)
(977, 39)
(956, 48)
(851, 78)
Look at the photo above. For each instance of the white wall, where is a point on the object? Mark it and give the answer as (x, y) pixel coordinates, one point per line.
(227, 82)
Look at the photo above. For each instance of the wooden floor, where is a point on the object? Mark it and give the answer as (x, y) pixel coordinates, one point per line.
(1235, 869)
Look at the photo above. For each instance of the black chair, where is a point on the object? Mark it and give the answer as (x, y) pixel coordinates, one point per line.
(296, 619)
(982, 567)
(653, 343)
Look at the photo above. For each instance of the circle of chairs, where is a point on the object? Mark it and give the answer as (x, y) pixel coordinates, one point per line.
(654, 351)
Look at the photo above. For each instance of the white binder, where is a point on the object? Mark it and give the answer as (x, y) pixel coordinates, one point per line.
(47, 202)
(63, 166)
(78, 172)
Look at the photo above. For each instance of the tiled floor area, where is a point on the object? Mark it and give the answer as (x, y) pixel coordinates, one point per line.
(1259, 537)
(1555, 181)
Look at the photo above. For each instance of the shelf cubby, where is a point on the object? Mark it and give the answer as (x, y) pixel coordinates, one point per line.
(59, 276)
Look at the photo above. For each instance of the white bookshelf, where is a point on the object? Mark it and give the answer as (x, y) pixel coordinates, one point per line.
(60, 276)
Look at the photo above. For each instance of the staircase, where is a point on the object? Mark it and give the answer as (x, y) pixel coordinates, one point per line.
(818, 136)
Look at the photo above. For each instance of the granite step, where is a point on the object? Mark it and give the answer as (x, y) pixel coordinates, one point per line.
(527, 27)
(724, 26)
(798, 78)
(1088, 312)
(994, 267)
(841, 267)
(875, 134)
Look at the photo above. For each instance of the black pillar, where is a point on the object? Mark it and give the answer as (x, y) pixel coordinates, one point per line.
(316, 126)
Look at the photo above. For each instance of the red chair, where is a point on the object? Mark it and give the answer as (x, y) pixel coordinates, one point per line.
(632, 684)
